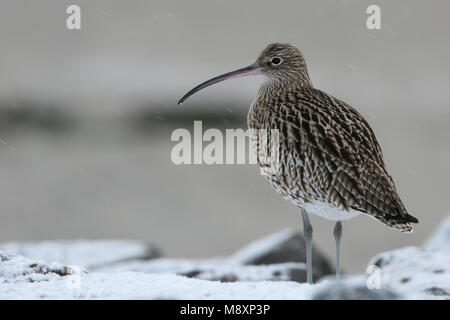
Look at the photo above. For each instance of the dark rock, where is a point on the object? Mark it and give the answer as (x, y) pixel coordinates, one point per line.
(405, 280)
(435, 291)
(229, 273)
(41, 268)
(191, 274)
(298, 275)
(282, 247)
(4, 257)
(278, 257)
(222, 270)
(379, 262)
(228, 278)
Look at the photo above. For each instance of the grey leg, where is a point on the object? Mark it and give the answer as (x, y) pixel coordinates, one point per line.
(338, 236)
(308, 231)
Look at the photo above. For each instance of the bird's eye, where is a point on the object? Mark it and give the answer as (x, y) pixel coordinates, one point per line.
(276, 61)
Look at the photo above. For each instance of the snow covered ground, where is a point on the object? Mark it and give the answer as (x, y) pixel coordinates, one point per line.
(133, 270)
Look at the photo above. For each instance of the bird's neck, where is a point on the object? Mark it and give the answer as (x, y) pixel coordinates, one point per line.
(276, 85)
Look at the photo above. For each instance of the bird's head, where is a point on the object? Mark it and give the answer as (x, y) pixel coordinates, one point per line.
(279, 62)
(283, 62)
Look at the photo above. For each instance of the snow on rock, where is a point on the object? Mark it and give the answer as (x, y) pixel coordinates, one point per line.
(132, 285)
(217, 269)
(279, 256)
(165, 265)
(416, 272)
(275, 272)
(354, 288)
(409, 273)
(13, 266)
(440, 239)
(24, 278)
(221, 270)
(259, 271)
(84, 253)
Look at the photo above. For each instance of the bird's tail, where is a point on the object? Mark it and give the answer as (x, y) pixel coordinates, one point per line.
(404, 224)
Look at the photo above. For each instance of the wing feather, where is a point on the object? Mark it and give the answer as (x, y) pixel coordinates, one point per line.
(336, 136)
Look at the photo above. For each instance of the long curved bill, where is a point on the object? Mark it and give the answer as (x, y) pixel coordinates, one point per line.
(251, 69)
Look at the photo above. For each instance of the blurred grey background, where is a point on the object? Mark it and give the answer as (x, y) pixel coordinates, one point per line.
(86, 117)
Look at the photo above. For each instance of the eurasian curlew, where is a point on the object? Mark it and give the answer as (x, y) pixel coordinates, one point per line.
(330, 162)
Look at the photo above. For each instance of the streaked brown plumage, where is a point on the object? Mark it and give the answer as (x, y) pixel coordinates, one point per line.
(330, 160)
(334, 155)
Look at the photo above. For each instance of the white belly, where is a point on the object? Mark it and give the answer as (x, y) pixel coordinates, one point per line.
(322, 209)
(328, 212)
